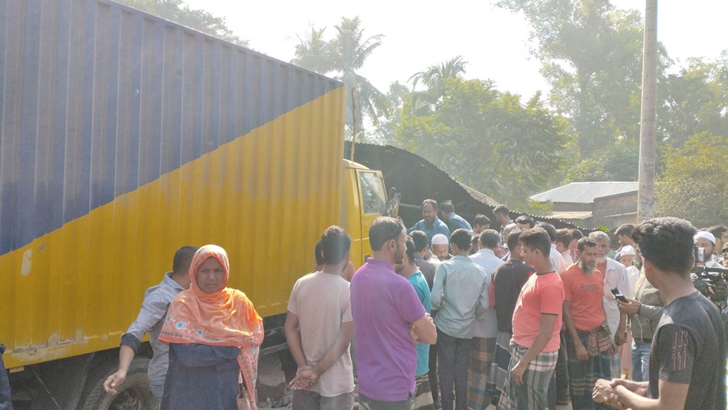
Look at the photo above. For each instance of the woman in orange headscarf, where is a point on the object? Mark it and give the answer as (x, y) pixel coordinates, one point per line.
(213, 333)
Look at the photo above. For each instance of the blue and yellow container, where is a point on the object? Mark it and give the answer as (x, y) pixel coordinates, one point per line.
(124, 137)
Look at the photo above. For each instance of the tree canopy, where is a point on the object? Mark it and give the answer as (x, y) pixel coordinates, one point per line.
(585, 129)
(178, 12)
(694, 181)
(489, 140)
(344, 56)
(591, 57)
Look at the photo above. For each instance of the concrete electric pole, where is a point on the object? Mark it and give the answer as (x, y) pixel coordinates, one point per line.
(646, 195)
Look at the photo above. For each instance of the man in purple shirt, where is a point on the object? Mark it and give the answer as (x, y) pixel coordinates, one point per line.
(388, 317)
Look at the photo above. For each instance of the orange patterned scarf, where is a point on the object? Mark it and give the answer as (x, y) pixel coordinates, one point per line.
(224, 318)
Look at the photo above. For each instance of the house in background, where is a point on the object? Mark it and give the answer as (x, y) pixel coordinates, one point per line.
(593, 204)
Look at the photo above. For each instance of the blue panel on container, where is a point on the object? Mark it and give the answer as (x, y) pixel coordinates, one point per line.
(150, 102)
(133, 102)
(25, 160)
(98, 99)
(11, 73)
(110, 104)
(58, 54)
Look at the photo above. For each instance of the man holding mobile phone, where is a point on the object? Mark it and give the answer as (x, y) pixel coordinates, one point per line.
(588, 342)
(688, 356)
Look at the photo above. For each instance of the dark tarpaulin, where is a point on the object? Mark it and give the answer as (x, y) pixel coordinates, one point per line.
(418, 179)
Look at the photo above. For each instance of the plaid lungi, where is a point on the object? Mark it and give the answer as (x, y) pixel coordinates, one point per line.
(499, 367)
(481, 356)
(423, 393)
(583, 374)
(532, 393)
(615, 364)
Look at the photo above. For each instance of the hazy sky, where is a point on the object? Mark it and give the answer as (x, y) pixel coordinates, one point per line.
(493, 41)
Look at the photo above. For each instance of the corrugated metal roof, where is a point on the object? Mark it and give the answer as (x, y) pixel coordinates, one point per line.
(479, 195)
(585, 192)
(572, 216)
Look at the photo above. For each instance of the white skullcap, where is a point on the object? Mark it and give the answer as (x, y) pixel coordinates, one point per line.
(628, 250)
(705, 235)
(440, 239)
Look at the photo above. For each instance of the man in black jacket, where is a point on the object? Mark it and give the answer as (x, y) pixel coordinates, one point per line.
(687, 363)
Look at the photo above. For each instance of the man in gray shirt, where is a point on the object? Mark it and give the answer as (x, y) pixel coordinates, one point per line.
(460, 295)
(428, 267)
(150, 320)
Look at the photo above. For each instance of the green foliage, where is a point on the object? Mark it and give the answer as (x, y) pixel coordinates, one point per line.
(178, 12)
(488, 140)
(694, 182)
(617, 162)
(314, 52)
(344, 56)
(426, 101)
(592, 58)
(386, 132)
(694, 101)
(539, 208)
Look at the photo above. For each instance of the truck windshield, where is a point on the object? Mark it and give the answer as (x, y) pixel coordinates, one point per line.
(372, 193)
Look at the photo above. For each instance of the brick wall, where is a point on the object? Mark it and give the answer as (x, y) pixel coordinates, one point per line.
(614, 205)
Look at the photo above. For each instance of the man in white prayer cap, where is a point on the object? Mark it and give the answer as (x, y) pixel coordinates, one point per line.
(706, 240)
(440, 247)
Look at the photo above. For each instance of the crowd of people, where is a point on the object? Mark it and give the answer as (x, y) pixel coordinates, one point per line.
(451, 315)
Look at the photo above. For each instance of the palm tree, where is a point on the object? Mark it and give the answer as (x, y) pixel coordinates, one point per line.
(344, 56)
(313, 52)
(349, 51)
(433, 78)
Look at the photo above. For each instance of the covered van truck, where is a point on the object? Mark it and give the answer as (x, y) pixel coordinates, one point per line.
(124, 137)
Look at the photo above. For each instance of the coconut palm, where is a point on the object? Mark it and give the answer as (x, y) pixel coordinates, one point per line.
(423, 102)
(313, 52)
(344, 57)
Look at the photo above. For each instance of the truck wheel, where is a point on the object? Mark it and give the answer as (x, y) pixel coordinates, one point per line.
(134, 394)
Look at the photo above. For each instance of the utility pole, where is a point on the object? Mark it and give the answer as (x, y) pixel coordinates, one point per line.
(353, 124)
(646, 193)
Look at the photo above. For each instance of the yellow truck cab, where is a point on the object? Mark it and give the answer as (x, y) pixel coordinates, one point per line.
(364, 199)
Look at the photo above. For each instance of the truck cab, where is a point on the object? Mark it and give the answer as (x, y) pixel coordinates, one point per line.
(364, 199)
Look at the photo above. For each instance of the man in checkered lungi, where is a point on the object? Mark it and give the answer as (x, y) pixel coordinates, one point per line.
(588, 342)
(505, 287)
(536, 327)
(485, 329)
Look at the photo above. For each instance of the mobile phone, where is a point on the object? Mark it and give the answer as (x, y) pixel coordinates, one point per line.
(699, 254)
(618, 295)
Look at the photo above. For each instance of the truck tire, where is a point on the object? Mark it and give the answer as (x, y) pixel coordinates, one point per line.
(134, 394)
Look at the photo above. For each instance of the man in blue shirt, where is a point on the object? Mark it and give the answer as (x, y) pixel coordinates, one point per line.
(461, 295)
(430, 223)
(485, 329)
(453, 220)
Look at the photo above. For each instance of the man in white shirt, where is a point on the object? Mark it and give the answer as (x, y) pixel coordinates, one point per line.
(615, 276)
